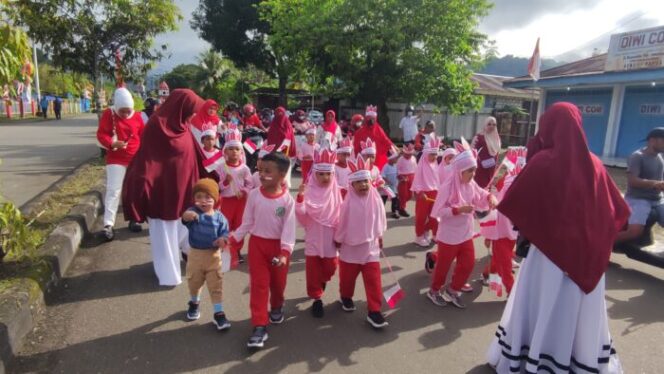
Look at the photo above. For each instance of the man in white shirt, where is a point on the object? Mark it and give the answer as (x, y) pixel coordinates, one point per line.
(409, 125)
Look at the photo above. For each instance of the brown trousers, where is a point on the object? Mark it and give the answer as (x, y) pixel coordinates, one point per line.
(204, 266)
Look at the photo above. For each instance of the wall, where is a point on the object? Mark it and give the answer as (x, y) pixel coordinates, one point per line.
(643, 110)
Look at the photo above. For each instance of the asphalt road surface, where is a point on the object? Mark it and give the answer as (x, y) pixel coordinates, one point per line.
(34, 155)
(109, 316)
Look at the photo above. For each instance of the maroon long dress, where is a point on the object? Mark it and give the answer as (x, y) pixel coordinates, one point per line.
(486, 164)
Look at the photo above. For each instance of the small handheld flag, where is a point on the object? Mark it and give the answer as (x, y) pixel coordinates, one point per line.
(393, 295)
(250, 146)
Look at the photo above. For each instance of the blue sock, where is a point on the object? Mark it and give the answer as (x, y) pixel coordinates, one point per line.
(218, 308)
(196, 299)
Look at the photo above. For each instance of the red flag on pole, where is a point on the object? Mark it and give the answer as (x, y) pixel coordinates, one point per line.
(535, 63)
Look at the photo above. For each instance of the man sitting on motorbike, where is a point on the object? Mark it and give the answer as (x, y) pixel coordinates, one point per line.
(645, 183)
(301, 122)
(250, 118)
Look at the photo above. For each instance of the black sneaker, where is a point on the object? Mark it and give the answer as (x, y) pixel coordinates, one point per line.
(453, 297)
(377, 320)
(220, 321)
(403, 213)
(317, 309)
(258, 338)
(135, 226)
(429, 263)
(193, 313)
(395, 215)
(347, 304)
(108, 233)
(276, 316)
(436, 298)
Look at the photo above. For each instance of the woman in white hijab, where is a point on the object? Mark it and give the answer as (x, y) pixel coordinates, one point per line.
(119, 133)
(487, 143)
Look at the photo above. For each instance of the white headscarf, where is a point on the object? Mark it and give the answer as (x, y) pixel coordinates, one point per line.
(122, 99)
(492, 139)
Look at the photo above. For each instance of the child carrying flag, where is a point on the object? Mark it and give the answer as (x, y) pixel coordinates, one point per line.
(406, 168)
(305, 153)
(458, 198)
(235, 183)
(362, 223)
(425, 187)
(270, 219)
(317, 210)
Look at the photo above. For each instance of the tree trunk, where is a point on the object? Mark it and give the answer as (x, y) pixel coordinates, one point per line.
(383, 115)
(283, 98)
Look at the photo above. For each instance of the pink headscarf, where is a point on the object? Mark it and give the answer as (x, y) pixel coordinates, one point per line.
(362, 218)
(444, 171)
(426, 175)
(323, 203)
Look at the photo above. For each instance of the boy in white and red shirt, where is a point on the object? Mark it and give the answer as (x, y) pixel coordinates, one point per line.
(214, 158)
(317, 210)
(256, 177)
(270, 219)
(359, 237)
(341, 170)
(234, 184)
(305, 153)
(406, 167)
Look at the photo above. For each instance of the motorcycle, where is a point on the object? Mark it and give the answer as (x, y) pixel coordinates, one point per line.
(644, 248)
(257, 136)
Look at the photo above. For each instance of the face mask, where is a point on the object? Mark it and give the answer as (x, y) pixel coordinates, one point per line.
(358, 123)
(409, 114)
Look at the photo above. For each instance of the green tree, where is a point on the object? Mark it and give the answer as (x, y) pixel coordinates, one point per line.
(377, 50)
(215, 70)
(59, 82)
(14, 46)
(234, 28)
(84, 36)
(184, 76)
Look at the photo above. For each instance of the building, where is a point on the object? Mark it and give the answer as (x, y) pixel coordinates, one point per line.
(620, 93)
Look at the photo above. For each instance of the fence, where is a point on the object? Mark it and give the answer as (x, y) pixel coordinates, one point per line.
(30, 109)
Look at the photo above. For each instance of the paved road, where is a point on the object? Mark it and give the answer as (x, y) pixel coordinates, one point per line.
(111, 317)
(34, 155)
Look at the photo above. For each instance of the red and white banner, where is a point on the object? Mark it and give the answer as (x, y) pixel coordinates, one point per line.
(535, 63)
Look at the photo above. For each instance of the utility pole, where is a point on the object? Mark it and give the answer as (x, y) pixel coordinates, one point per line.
(34, 55)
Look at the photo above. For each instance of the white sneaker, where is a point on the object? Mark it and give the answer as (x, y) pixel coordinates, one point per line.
(422, 241)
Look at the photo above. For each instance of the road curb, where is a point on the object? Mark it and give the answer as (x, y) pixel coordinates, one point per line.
(20, 306)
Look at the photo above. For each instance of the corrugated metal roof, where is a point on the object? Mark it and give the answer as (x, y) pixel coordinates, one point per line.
(493, 85)
(591, 65)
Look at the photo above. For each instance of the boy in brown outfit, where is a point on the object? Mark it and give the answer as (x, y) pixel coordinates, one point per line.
(208, 232)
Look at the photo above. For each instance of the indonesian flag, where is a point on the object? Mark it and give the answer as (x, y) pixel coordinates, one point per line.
(535, 63)
(250, 146)
(212, 163)
(496, 284)
(283, 148)
(387, 191)
(488, 220)
(393, 295)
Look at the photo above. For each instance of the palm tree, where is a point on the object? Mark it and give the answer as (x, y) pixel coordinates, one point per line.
(215, 69)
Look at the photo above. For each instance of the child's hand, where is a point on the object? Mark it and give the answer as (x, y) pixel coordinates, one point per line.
(231, 239)
(300, 190)
(189, 216)
(487, 243)
(282, 261)
(493, 202)
(229, 179)
(221, 243)
(118, 144)
(466, 209)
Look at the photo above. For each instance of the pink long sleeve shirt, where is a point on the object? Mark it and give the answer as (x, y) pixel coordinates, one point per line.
(456, 227)
(306, 150)
(242, 180)
(406, 166)
(269, 217)
(342, 176)
(319, 239)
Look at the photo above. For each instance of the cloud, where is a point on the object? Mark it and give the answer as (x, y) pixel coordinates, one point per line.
(514, 14)
(183, 45)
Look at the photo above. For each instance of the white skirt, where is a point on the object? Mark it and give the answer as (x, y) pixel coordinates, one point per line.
(167, 239)
(550, 326)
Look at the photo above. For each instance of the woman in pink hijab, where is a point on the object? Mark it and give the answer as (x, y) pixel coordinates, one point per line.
(317, 210)
(487, 143)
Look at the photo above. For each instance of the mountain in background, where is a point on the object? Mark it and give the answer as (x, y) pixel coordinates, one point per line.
(512, 66)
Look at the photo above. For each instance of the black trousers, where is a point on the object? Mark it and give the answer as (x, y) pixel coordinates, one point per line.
(395, 203)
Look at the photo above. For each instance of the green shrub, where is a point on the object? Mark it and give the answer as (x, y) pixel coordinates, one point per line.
(17, 239)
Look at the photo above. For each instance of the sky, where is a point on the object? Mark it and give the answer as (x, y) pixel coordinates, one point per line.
(569, 29)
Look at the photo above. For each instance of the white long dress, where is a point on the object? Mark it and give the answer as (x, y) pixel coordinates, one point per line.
(551, 326)
(167, 239)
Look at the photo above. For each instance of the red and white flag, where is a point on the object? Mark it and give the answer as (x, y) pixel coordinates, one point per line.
(212, 163)
(393, 295)
(250, 146)
(283, 148)
(535, 63)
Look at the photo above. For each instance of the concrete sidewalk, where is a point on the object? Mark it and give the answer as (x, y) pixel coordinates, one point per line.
(109, 316)
(34, 155)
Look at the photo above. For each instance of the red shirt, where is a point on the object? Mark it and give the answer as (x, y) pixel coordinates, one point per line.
(253, 121)
(127, 130)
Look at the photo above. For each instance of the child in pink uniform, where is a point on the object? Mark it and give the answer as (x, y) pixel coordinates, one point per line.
(255, 178)
(341, 169)
(425, 187)
(270, 219)
(362, 223)
(234, 183)
(305, 153)
(317, 210)
(406, 168)
(369, 155)
(458, 198)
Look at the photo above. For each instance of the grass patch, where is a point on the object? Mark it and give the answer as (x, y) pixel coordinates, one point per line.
(46, 215)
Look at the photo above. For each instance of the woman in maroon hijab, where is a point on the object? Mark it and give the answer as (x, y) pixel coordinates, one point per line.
(160, 179)
(282, 136)
(567, 206)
